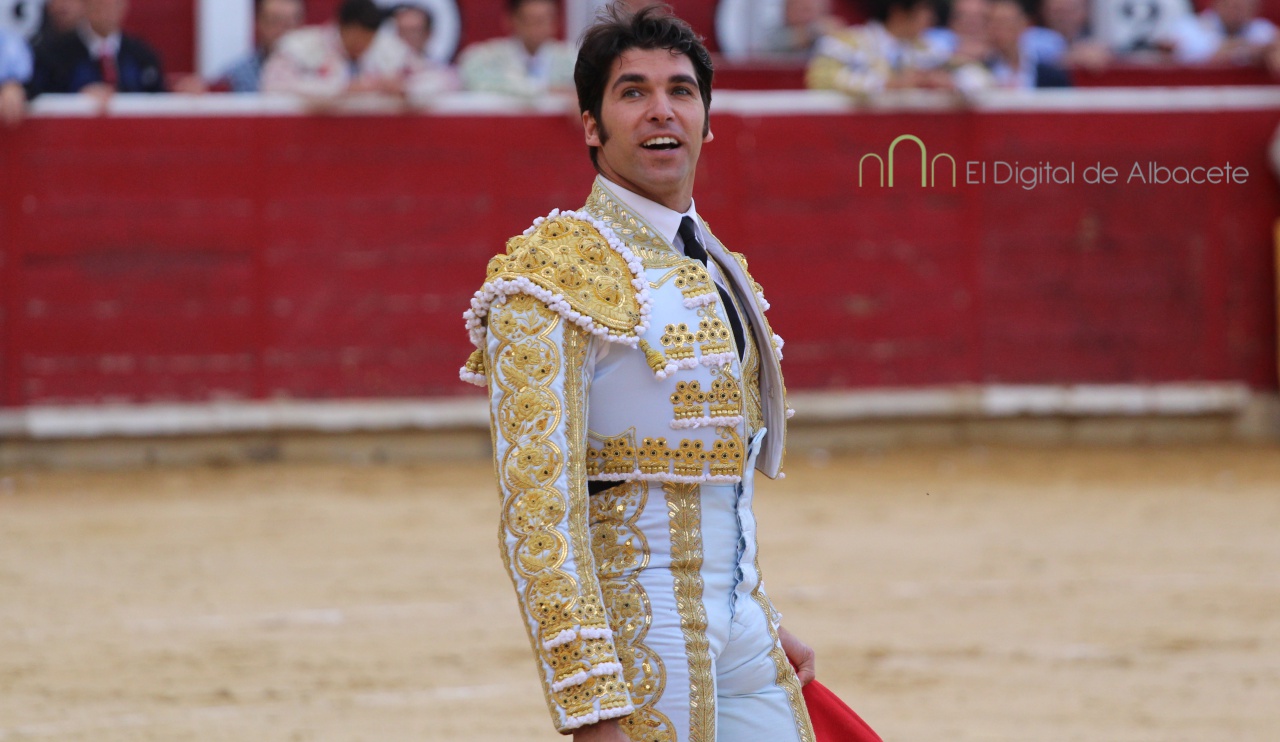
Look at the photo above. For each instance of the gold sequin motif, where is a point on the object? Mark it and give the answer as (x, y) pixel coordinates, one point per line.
(714, 336)
(677, 341)
(621, 553)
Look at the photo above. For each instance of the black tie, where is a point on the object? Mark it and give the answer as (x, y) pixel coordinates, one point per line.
(695, 250)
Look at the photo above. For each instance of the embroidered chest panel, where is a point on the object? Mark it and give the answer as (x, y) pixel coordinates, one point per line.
(688, 422)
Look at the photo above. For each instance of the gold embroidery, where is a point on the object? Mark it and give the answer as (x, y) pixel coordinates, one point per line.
(643, 240)
(725, 397)
(714, 336)
(616, 455)
(688, 400)
(754, 409)
(726, 453)
(620, 455)
(526, 365)
(570, 258)
(693, 280)
(678, 341)
(621, 553)
(684, 511)
(786, 674)
(591, 612)
(776, 372)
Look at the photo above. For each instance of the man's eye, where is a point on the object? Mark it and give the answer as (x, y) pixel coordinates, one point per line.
(683, 91)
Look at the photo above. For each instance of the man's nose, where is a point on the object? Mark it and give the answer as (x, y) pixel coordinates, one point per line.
(660, 107)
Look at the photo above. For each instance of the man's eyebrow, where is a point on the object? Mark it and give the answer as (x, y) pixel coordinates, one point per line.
(632, 77)
(629, 77)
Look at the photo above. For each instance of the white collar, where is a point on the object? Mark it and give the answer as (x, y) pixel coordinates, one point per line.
(666, 221)
(96, 44)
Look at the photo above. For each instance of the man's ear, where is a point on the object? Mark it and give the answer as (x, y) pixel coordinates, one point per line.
(709, 136)
(592, 130)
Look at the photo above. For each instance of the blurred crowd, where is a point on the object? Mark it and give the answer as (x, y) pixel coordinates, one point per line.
(969, 45)
(372, 49)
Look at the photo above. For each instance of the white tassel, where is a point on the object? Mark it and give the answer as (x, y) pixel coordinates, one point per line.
(472, 377)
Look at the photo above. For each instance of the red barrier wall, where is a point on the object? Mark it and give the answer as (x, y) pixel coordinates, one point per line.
(168, 258)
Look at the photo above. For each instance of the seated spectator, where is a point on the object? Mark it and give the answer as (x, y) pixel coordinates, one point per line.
(803, 23)
(60, 16)
(325, 63)
(272, 20)
(1228, 32)
(1138, 29)
(965, 34)
(413, 26)
(529, 62)
(15, 70)
(1070, 19)
(97, 58)
(1018, 57)
(890, 52)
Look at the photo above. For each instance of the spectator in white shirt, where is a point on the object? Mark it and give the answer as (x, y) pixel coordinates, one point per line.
(529, 62)
(1228, 32)
(327, 63)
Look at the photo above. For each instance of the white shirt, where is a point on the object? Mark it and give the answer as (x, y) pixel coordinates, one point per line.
(99, 46)
(1197, 38)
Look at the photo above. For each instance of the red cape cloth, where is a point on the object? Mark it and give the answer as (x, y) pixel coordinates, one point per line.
(833, 721)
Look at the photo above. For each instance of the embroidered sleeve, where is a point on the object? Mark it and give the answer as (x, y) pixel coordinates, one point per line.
(840, 63)
(537, 377)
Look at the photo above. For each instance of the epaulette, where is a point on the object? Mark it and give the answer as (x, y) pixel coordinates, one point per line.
(575, 265)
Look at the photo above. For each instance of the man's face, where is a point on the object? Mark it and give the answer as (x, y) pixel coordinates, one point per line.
(356, 40)
(534, 23)
(1067, 17)
(650, 130)
(106, 16)
(1235, 14)
(1007, 22)
(805, 12)
(277, 18)
(65, 14)
(413, 28)
(969, 18)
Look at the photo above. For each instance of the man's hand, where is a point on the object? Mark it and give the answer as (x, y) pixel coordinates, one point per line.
(13, 104)
(605, 731)
(800, 654)
(380, 85)
(101, 93)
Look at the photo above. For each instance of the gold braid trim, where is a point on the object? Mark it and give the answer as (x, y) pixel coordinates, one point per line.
(786, 674)
(622, 553)
(684, 507)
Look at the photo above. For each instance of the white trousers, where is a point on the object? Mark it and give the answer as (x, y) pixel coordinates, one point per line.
(695, 631)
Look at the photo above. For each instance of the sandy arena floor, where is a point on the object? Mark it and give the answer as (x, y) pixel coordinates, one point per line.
(1127, 595)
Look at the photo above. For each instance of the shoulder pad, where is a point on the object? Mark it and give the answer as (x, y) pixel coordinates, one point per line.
(579, 268)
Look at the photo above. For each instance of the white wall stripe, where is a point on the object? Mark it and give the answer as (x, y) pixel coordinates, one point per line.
(221, 418)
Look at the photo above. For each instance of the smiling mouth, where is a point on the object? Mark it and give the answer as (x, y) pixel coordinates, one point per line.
(660, 143)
